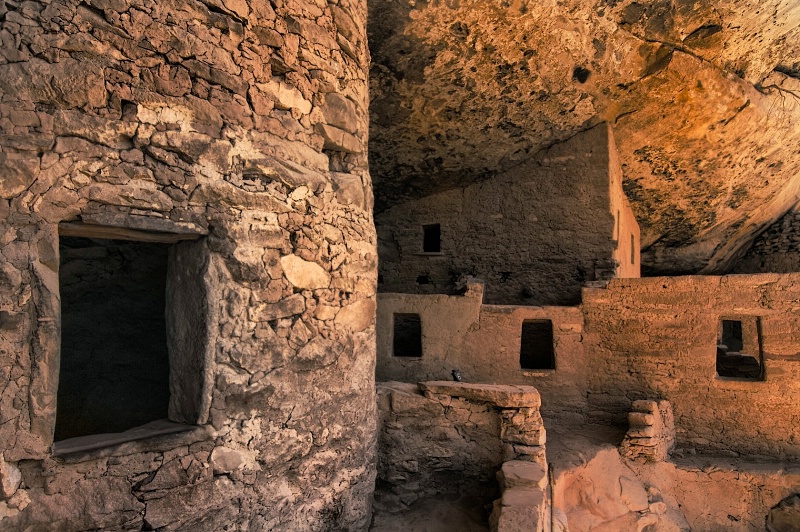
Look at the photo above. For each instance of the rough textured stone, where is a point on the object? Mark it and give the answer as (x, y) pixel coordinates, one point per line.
(10, 478)
(498, 394)
(197, 120)
(697, 92)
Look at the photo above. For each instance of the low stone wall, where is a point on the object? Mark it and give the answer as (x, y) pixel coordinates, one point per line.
(524, 504)
(442, 438)
(651, 431)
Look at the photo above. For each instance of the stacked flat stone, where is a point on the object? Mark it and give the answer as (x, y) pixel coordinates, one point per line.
(524, 503)
(652, 431)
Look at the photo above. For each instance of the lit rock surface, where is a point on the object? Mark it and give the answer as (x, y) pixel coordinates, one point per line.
(703, 97)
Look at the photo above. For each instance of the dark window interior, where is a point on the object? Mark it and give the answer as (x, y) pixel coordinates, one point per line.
(407, 335)
(738, 350)
(114, 372)
(536, 345)
(431, 238)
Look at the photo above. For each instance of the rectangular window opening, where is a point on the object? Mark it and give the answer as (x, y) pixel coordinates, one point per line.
(633, 249)
(739, 353)
(133, 328)
(536, 345)
(407, 340)
(114, 372)
(431, 238)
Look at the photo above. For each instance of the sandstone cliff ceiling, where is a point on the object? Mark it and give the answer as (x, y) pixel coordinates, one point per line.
(703, 95)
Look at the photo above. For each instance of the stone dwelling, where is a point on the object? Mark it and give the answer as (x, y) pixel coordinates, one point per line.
(190, 335)
(535, 233)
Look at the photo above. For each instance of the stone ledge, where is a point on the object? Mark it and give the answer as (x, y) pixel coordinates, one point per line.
(506, 396)
(152, 436)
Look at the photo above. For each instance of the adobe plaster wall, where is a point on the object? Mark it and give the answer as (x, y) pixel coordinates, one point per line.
(650, 338)
(534, 233)
(240, 122)
(656, 338)
(483, 343)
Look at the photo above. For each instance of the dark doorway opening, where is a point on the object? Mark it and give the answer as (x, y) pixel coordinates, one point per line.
(431, 238)
(407, 340)
(114, 369)
(536, 345)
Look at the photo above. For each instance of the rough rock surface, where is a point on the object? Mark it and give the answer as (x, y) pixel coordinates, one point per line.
(697, 92)
(777, 249)
(243, 123)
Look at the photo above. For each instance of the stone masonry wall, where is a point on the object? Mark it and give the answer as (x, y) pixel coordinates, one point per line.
(534, 234)
(652, 338)
(776, 250)
(242, 123)
(483, 343)
(444, 439)
(656, 338)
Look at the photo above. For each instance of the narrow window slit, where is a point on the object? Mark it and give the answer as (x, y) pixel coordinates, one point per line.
(739, 353)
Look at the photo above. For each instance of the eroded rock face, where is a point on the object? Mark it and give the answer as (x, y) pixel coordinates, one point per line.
(242, 125)
(702, 97)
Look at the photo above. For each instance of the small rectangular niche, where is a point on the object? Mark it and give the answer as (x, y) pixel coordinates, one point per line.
(431, 238)
(407, 339)
(536, 349)
(739, 353)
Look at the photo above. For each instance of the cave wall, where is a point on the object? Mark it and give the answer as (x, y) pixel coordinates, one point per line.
(242, 125)
(697, 92)
(534, 234)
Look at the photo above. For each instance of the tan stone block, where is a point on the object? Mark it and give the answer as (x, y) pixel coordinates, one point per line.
(520, 473)
(338, 139)
(356, 316)
(304, 274)
(506, 396)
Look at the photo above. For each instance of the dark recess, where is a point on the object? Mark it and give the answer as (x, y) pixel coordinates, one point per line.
(536, 345)
(431, 238)
(114, 371)
(407, 336)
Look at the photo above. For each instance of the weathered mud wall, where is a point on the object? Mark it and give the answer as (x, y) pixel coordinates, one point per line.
(243, 124)
(483, 343)
(534, 233)
(652, 338)
(657, 338)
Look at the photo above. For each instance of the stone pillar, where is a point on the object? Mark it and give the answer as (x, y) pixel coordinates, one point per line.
(242, 123)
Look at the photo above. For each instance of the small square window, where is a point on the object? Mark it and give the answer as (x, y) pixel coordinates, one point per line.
(407, 340)
(536, 345)
(739, 353)
(431, 238)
